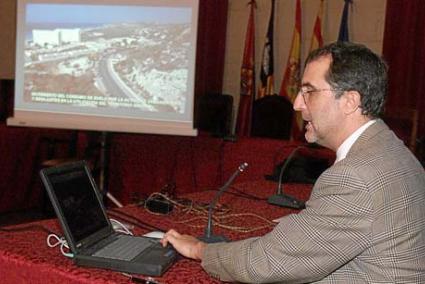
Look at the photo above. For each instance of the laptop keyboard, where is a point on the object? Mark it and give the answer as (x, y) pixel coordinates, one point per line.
(124, 248)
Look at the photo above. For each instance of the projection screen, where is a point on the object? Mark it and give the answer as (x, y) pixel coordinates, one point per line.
(107, 65)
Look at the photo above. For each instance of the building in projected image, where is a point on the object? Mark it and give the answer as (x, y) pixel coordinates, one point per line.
(69, 35)
(56, 37)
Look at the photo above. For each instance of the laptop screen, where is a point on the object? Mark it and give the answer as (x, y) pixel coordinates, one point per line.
(79, 203)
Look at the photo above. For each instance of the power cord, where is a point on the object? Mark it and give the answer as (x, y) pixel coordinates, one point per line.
(240, 193)
(130, 219)
(221, 218)
(53, 240)
(120, 227)
(59, 241)
(141, 279)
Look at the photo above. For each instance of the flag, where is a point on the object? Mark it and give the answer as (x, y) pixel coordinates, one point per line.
(291, 78)
(247, 84)
(316, 38)
(343, 28)
(266, 73)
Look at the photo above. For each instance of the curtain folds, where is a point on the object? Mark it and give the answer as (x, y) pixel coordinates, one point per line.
(404, 51)
(212, 25)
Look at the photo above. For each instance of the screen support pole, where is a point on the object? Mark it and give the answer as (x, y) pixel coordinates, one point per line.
(104, 162)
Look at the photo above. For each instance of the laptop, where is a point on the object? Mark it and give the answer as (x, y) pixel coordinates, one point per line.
(88, 231)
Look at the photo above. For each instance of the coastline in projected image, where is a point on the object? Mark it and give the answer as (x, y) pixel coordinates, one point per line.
(113, 59)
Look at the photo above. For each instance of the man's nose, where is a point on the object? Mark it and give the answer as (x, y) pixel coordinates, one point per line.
(299, 104)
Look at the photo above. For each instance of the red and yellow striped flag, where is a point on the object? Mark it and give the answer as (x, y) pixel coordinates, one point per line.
(316, 38)
(291, 78)
(247, 87)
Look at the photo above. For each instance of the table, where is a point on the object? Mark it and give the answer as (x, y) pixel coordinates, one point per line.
(25, 256)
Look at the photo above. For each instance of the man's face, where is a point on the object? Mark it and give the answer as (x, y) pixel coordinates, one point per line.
(318, 105)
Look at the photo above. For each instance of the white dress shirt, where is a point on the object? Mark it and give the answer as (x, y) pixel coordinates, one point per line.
(346, 145)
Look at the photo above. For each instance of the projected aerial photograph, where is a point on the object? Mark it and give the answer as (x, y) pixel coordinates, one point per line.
(103, 56)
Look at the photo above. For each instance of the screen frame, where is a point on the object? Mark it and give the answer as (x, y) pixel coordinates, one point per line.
(174, 125)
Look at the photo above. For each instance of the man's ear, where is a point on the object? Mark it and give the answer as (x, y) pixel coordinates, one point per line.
(352, 101)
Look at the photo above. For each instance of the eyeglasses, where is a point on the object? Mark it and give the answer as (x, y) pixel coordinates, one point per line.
(306, 93)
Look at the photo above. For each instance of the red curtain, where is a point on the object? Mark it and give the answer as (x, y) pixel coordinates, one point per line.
(211, 45)
(404, 51)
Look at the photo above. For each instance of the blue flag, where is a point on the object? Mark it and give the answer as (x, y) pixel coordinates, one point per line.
(343, 28)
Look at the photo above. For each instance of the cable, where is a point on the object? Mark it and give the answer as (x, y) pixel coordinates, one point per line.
(185, 205)
(141, 279)
(221, 217)
(242, 194)
(220, 221)
(120, 228)
(133, 220)
(114, 200)
(59, 241)
(64, 244)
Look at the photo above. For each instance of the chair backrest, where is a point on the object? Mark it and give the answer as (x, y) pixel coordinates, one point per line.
(272, 117)
(404, 123)
(214, 114)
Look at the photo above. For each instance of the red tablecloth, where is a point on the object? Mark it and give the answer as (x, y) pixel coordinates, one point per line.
(26, 258)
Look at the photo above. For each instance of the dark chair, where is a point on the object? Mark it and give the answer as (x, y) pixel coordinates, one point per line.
(60, 146)
(272, 117)
(214, 114)
(66, 146)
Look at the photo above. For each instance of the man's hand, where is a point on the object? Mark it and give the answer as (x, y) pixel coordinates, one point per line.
(186, 245)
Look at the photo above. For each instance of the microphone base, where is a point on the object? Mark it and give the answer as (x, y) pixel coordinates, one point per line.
(284, 200)
(213, 239)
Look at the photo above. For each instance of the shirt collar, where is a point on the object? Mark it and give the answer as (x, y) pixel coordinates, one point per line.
(343, 149)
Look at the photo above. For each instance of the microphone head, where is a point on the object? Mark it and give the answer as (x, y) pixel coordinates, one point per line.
(243, 166)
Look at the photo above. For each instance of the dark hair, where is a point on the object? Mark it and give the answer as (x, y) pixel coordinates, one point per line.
(354, 67)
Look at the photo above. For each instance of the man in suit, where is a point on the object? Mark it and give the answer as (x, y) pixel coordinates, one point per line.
(365, 219)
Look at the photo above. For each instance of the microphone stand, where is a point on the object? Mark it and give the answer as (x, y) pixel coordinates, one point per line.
(280, 198)
(208, 236)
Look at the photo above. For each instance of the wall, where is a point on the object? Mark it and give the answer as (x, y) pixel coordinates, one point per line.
(7, 38)
(366, 25)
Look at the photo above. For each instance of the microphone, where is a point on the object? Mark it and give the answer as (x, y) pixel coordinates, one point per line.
(280, 198)
(208, 236)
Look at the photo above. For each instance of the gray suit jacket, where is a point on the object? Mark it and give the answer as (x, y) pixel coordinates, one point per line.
(364, 223)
